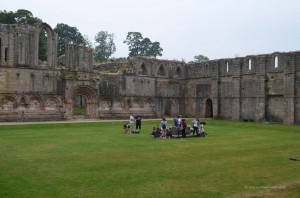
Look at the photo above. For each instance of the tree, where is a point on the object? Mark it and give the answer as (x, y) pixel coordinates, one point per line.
(67, 35)
(155, 49)
(7, 17)
(139, 46)
(133, 40)
(26, 17)
(104, 46)
(19, 17)
(200, 58)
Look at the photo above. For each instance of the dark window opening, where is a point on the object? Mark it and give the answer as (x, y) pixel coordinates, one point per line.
(6, 54)
(43, 46)
(161, 71)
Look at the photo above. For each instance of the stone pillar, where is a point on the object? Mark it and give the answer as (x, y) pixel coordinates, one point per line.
(289, 98)
(260, 109)
(215, 86)
(289, 88)
(91, 110)
(236, 99)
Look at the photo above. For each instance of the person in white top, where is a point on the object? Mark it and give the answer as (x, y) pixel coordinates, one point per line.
(131, 122)
(195, 126)
(179, 120)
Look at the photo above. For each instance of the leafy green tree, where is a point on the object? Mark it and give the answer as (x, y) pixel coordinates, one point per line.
(139, 46)
(7, 17)
(19, 17)
(200, 58)
(104, 46)
(43, 51)
(67, 35)
(133, 40)
(26, 17)
(155, 49)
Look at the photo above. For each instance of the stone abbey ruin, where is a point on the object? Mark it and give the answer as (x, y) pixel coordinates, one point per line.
(261, 88)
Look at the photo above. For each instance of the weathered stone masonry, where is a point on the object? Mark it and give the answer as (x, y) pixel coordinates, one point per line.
(252, 88)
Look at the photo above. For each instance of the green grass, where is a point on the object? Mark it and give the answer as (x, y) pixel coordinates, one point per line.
(79, 110)
(236, 159)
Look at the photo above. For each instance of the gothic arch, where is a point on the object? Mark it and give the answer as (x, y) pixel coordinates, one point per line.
(90, 97)
(51, 45)
(23, 103)
(208, 108)
(52, 104)
(169, 108)
(105, 105)
(161, 71)
(36, 103)
(178, 73)
(8, 103)
(118, 104)
(143, 69)
(136, 104)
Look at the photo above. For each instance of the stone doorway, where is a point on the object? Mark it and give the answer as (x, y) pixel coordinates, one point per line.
(169, 109)
(208, 108)
(79, 107)
(82, 103)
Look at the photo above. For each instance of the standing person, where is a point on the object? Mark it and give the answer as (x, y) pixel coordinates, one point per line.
(179, 120)
(131, 122)
(164, 126)
(176, 122)
(183, 128)
(179, 125)
(195, 126)
(138, 122)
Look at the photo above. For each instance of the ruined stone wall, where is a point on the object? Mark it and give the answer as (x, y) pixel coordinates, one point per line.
(29, 89)
(253, 88)
(142, 86)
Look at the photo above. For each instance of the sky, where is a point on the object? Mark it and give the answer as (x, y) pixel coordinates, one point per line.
(185, 28)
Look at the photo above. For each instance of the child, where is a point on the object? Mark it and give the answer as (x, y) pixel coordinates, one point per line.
(202, 131)
(169, 133)
(126, 128)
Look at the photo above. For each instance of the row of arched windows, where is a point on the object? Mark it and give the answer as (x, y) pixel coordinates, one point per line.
(250, 64)
(161, 71)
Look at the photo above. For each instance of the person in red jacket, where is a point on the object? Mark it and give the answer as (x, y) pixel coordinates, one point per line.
(183, 128)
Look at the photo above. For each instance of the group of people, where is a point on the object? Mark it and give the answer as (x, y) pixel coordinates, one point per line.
(164, 130)
(128, 128)
(180, 127)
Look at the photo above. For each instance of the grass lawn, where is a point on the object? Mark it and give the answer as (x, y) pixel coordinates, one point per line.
(236, 159)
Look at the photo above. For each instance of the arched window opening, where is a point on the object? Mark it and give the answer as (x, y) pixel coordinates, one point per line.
(6, 54)
(178, 73)
(169, 109)
(43, 46)
(161, 71)
(249, 64)
(208, 108)
(32, 82)
(276, 61)
(227, 66)
(143, 69)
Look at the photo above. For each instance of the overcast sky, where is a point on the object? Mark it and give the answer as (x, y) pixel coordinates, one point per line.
(184, 28)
